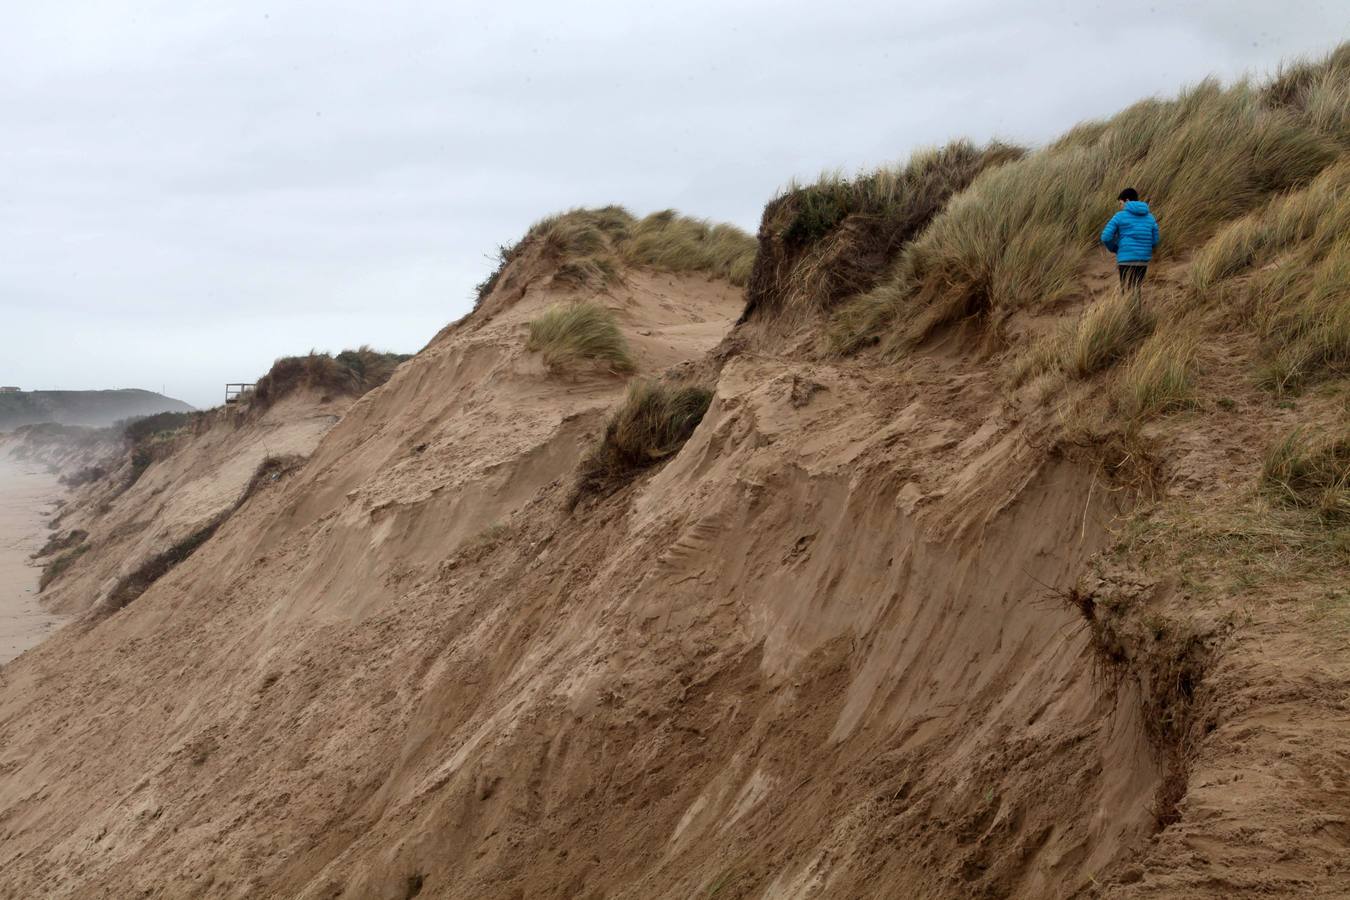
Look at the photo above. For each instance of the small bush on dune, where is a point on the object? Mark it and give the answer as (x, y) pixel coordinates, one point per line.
(138, 431)
(1019, 235)
(1312, 473)
(350, 372)
(653, 423)
(579, 332)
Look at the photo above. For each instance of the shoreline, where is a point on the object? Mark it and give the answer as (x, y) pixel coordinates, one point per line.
(26, 494)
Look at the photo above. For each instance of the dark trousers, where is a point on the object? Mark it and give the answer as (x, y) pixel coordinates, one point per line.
(1132, 276)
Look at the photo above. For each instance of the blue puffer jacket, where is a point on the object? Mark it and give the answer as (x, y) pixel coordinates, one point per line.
(1132, 233)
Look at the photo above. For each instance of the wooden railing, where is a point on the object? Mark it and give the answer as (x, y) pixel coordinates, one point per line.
(236, 390)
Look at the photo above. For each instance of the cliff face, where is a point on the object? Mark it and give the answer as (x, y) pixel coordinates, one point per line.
(980, 612)
(824, 630)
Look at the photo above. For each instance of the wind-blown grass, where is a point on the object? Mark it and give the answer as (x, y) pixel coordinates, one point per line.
(1106, 333)
(1312, 219)
(821, 242)
(1019, 235)
(567, 334)
(1312, 473)
(1159, 377)
(1285, 270)
(673, 243)
(652, 424)
(587, 247)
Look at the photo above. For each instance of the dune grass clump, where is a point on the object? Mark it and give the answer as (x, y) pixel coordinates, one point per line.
(821, 242)
(1018, 237)
(352, 372)
(1318, 91)
(158, 426)
(1310, 220)
(1311, 473)
(1160, 376)
(587, 247)
(1285, 270)
(668, 241)
(652, 424)
(1107, 332)
(568, 334)
(1304, 316)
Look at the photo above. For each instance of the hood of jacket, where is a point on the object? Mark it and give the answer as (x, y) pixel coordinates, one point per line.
(1136, 207)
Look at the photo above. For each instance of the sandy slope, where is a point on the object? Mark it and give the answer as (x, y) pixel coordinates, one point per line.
(26, 494)
(181, 493)
(819, 653)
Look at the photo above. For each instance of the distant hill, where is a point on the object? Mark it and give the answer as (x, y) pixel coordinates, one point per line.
(96, 408)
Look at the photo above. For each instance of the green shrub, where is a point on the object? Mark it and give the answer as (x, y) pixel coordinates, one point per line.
(652, 424)
(579, 332)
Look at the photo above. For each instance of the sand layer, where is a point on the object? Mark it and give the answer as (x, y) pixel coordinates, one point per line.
(26, 495)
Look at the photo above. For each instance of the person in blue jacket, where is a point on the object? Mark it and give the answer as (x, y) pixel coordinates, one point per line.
(1131, 235)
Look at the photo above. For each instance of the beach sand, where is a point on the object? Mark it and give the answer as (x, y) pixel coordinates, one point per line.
(26, 495)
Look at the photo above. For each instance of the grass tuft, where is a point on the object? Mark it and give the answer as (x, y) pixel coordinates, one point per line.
(579, 332)
(1159, 378)
(1107, 332)
(675, 243)
(1311, 473)
(653, 423)
(587, 246)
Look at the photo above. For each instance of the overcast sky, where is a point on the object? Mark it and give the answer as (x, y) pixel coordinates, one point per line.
(189, 190)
